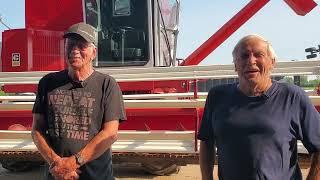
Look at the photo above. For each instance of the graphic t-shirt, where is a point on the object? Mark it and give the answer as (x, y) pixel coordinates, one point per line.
(75, 113)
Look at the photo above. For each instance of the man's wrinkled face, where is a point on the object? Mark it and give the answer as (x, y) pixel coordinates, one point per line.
(253, 63)
(79, 52)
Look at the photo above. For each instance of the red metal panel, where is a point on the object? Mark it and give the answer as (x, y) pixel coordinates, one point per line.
(8, 118)
(47, 50)
(173, 86)
(39, 50)
(160, 119)
(136, 86)
(301, 7)
(14, 42)
(224, 32)
(21, 88)
(154, 86)
(53, 15)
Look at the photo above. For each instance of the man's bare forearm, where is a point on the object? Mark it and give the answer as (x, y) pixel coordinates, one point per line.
(40, 141)
(314, 173)
(207, 157)
(47, 153)
(101, 142)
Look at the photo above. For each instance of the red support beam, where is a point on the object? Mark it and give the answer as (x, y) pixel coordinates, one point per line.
(224, 32)
(301, 7)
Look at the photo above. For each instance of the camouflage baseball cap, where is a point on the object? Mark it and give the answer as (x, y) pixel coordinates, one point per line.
(88, 32)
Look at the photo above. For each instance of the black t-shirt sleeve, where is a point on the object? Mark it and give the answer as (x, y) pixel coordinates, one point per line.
(114, 105)
(206, 128)
(309, 124)
(39, 104)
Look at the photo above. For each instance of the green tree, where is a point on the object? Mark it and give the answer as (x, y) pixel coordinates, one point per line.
(288, 79)
(2, 93)
(304, 81)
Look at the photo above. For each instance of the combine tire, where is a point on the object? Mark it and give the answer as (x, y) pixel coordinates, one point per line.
(19, 166)
(160, 168)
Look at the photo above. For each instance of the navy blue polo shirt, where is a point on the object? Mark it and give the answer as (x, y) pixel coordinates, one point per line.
(256, 137)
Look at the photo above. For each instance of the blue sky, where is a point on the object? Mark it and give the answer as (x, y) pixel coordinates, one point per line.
(289, 33)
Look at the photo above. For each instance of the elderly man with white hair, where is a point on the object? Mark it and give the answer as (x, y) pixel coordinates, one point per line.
(255, 124)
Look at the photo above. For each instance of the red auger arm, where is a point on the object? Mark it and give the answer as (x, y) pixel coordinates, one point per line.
(301, 7)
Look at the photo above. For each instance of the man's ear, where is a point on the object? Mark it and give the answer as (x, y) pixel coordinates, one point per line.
(94, 53)
(273, 62)
(235, 66)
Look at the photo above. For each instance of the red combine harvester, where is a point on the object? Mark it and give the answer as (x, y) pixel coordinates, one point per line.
(137, 45)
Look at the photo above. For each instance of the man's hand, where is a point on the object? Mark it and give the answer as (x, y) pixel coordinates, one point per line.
(65, 169)
(314, 173)
(71, 176)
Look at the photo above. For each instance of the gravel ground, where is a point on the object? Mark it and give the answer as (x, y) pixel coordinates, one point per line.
(189, 172)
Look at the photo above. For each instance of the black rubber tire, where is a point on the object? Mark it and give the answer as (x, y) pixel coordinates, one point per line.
(19, 166)
(161, 168)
